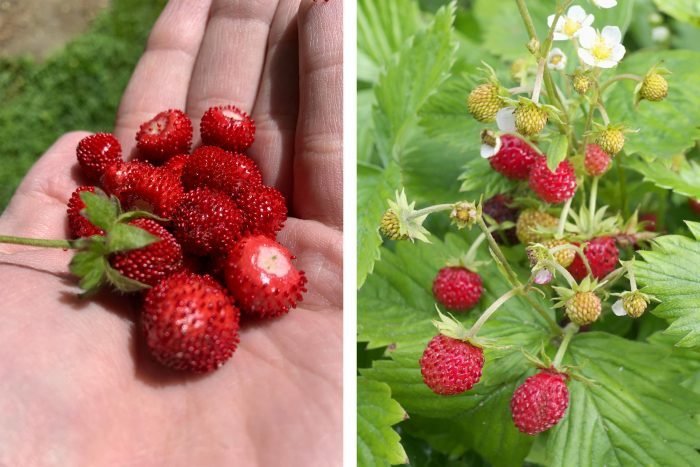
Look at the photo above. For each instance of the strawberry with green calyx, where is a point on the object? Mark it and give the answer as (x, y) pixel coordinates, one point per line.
(458, 286)
(403, 222)
(486, 99)
(531, 117)
(632, 303)
(653, 87)
(581, 81)
(611, 138)
(581, 303)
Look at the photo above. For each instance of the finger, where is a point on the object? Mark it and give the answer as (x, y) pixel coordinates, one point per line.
(38, 208)
(318, 175)
(277, 104)
(232, 55)
(162, 77)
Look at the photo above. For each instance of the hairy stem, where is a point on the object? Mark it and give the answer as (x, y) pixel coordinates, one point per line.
(563, 216)
(431, 210)
(567, 275)
(491, 310)
(569, 332)
(603, 113)
(527, 19)
(614, 79)
(64, 244)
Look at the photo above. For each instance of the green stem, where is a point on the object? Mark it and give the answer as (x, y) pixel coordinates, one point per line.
(431, 210)
(593, 199)
(567, 275)
(471, 252)
(603, 113)
(491, 310)
(582, 255)
(633, 281)
(622, 183)
(569, 332)
(563, 216)
(64, 244)
(539, 77)
(527, 19)
(614, 79)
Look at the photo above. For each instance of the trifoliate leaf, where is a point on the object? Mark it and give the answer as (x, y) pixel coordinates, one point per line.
(670, 273)
(377, 443)
(479, 178)
(557, 151)
(121, 282)
(124, 237)
(100, 210)
(679, 175)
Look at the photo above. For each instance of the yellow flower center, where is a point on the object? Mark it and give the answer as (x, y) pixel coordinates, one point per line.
(555, 59)
(571, 26)
(600, 50)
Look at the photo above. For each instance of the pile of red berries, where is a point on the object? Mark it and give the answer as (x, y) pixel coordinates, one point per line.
(214, 255)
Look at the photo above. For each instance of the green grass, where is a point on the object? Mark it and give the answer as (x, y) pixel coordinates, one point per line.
(78, 88)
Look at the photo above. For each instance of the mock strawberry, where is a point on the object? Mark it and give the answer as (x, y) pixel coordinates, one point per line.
(596, 161)
(166, 134)
(260, 275)
(190, 323)
(451, 366)
(78, 225)
(553, 187)
(153, 263)
(583, 308)
(533, 226)
(97, 152)
(457, 288)
(207, 221)
(540, 402)
(264, 209)
(228, 127)
(160, 192)
(217, 169)
(602, 255)
(515, 158)
(484, 102)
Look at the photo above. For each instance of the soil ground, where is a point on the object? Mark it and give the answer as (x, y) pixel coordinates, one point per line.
(39, 27)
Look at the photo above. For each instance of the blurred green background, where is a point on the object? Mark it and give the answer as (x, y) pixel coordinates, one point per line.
(74, 88)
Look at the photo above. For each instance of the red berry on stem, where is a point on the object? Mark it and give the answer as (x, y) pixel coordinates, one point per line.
(553, 187)
(451, 366)
(457, 288)
(597, 161)
(190, 323)
(602, 255)
(97, 152)
(540, 402)
(215, 168)
(260, 275)
(515, 158)
(78, 225)
(228, 127)
(165, 135)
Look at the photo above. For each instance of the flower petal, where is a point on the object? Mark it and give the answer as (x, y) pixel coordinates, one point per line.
(543, 277)
(487, 151)
(611, 35)
(586, 57)
(505, 119)
(550, 20)
(606, 64)
(576, 13)
(560, 37)
(618, 309)
(587, 37)
(605, 3)
(618, 52)
(587, 21)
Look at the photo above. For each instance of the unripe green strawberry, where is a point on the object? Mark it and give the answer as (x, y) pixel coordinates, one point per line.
(654, 88)
(583, 308)
(484, 102)
(530, 119)
(564, 257)
(611, 140)
(529, 222)
(389, 227)
(634, 304)
(581, 83)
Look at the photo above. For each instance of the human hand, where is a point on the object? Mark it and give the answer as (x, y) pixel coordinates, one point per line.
(76, 386)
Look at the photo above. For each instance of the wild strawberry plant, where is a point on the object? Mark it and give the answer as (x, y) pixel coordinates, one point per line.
(527, 255)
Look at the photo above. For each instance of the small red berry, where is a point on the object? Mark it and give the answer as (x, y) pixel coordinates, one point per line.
(215, 168)
(597, 161)
(190, 323)
(553, 187)
(260, 275)
(78, 225)
(176, 164)
(152, 263)
(451, 366)
(228, 127)
(97, 152)
(264, 209)
(649, 219)
(158, 191)
(602, 255)
(540, 402)
(515, 158)
(457, 288)
(165, 135)
(121, 176)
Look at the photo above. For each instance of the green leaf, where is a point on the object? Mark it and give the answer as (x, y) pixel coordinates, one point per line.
(124, 237)
(377, 443)
(683, 178)
(374, 187)
(670, 273)
(89, 267)
(409, 80)
(666, 128)
(365, 130)
(635, 413)
(99, 209)
(557, 151)
(123, 283)
(382, 29)
(478, 177)
(687, 11)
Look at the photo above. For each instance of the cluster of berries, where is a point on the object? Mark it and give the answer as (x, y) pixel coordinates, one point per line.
(197, 233)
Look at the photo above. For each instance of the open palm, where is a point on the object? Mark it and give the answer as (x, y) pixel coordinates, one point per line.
(76, 385)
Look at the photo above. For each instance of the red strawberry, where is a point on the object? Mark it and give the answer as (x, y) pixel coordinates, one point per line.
(553, 187)
(153, 263)
(190, 323)
(499, 207)
(120, 177)
(176, 164)
(694, 205)
(215, 168)
(540, 402)
(260, 275)
(457, 288)
(602, 255)
(597, 161)
(264, 209)
(515, 158)
(228, 127)
(207, 221)
(165, 135)
(160, 192)
(78, 225)
(649, 219)
(97, 152)
(451, 366)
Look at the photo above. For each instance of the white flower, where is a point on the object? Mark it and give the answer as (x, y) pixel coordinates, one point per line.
(569, 25)
(488, 150)
(604, 3)
(618, 308)
(556, 59)
(505, 119)
(601, 49)
(543, 277)
(660, 34)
